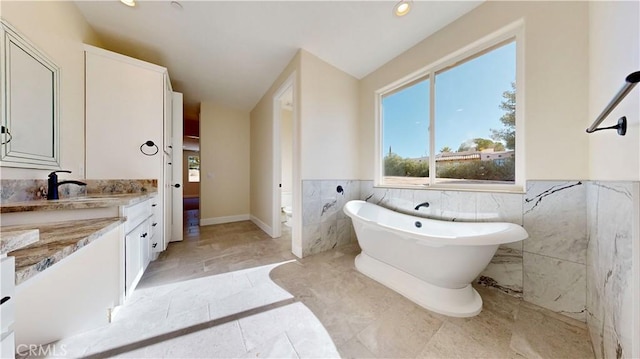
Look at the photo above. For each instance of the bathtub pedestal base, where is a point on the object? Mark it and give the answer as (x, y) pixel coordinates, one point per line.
(463, 302)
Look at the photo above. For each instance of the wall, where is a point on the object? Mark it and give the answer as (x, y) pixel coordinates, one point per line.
(262, 186)
(224, 164)
(286, 150)
(59, 30)
(614, 52)
(325, 225)
(555, 72)
(329, 121)
(612, 310)
(189, 189)
(613, 254)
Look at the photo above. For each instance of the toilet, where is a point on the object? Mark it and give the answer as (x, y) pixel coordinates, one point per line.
(286, 203)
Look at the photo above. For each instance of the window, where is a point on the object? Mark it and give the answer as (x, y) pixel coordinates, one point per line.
(193, 163)
(453, 124)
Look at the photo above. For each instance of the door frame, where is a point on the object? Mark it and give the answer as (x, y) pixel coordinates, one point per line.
(276, 200)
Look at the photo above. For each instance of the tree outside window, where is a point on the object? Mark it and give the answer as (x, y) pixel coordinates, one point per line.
(193, 163)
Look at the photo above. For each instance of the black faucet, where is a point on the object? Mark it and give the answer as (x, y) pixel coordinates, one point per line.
(52, 190)
(423, 204)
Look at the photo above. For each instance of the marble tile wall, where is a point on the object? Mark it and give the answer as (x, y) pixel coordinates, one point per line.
(36, 189)
(554, 255)
(610, 215)
(324, 224)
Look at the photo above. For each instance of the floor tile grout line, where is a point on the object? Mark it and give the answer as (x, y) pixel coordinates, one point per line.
(189, 330)
(244, 340)
(291, 343)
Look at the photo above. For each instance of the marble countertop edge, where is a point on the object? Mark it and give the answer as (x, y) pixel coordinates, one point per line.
(58, 241)
(86, 202)
(14, 240)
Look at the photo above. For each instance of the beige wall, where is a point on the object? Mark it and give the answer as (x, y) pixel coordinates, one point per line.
(190, 189)
(555, 72)
(224, 162)
(286, 150)
(262, 184)
(614, 52)
(329, 121)
(59, 30)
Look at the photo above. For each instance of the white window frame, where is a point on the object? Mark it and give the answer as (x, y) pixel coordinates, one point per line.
(514, 31)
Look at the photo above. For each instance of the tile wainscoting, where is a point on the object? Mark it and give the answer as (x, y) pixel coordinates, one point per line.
(577, 261)
(324, 224)
(612, 210)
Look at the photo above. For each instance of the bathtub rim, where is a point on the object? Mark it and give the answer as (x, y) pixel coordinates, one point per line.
(512, 233)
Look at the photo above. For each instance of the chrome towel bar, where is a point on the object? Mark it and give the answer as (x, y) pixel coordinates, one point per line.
(630, 82)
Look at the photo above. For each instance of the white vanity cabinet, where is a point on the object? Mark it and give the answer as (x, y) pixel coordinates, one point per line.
(128, 109)
(7, 306)
(138, 231)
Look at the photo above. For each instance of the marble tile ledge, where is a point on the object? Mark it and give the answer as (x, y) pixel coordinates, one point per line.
(87, 202)
(13, 240)
(56, 241)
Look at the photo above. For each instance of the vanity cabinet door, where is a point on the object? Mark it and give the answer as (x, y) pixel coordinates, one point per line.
(7, 293)
(134, 256)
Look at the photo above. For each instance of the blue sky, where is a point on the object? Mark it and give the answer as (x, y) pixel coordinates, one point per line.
(467, 105)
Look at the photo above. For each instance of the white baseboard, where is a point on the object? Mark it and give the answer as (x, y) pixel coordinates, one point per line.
(220, 220)
(266, 228)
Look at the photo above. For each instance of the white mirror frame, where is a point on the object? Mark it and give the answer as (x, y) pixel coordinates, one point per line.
(23, 158)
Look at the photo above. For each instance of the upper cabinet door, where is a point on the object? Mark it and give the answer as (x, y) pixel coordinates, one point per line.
(168, 115)
(125, 108)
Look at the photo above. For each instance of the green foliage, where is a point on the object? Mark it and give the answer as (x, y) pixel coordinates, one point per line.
(507, 134)
(478, 170)
(479, 144)
(193, 162)
(395, 165)
(446, 149)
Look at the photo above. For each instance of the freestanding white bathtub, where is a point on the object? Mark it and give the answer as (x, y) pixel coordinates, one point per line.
(431, 262)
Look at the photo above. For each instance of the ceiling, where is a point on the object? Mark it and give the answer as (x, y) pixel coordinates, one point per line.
(230, 52)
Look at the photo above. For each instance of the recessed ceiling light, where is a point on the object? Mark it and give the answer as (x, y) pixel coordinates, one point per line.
(402, 8)
(129, 2)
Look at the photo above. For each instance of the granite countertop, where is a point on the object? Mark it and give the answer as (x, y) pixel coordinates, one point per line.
(87, 202)
(12, 240)
(57, 241)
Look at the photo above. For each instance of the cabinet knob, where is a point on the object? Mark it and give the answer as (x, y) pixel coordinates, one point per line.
(144, 235)
(154, 245)
(154, 224)
(4, 300)
(177, 185)
(153, 205)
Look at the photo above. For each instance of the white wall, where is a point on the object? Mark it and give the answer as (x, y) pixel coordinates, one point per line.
(329, 118)
(59, 30)
(556, 83)
(286, 150)
(224, 164)
(262, 184)
(614, 52)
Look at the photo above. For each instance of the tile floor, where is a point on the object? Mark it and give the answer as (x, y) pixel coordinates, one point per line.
(230, 291)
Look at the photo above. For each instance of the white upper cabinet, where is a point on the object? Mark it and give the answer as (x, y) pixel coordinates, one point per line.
(125, 108)
(128, 124)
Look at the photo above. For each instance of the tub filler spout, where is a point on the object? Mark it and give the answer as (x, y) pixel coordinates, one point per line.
(432, 264)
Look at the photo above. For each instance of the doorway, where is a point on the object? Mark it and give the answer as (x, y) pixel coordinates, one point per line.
(286, 170)
(191, 176)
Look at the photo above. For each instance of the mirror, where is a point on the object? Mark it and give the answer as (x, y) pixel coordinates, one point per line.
(29, 99)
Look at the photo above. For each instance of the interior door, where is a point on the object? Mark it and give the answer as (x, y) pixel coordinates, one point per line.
(177, 192)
